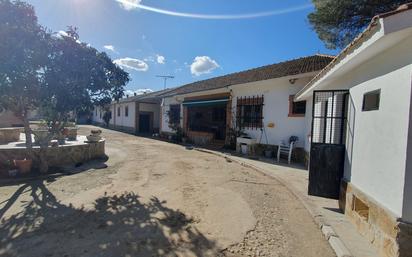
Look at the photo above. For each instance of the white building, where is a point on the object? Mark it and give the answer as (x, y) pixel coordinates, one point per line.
(258, 101)
(374, 76)
(139, 114)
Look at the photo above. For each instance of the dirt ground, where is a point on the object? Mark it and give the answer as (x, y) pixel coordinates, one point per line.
(156, 199)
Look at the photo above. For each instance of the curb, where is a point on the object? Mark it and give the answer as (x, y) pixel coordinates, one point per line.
(330, 235)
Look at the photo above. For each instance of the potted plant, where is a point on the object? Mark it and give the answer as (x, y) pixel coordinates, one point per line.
(268, 152)
(96, 132)
(41, 136)
(94, 136)
(24, 166)
(71, 131)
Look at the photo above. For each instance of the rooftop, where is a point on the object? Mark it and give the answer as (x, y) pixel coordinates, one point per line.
(278, 70)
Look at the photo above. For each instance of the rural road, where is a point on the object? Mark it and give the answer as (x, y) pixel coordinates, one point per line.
(156, 199)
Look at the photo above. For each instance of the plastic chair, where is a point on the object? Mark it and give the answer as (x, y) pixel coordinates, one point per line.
(285, 149)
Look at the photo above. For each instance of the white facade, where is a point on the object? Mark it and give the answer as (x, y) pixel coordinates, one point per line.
(119, 119)
(119, 116)
(378, 143)
(276, 93)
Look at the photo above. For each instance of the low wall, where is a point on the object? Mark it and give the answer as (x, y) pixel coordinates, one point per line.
(8, 135)
(71, 154)
(199, 137)
(389, 234)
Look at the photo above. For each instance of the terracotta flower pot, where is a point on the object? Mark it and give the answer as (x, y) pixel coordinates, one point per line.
(71, 133)
(24, 166)
(93, 138)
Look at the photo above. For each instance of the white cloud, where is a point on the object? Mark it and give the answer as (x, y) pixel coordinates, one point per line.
(161, 59)
(129, 4)
(203, 65)
(139, 91)
(130, 63)
(110, 48)
(62, 33)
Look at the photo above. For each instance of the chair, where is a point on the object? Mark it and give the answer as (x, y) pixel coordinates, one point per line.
(285, 149)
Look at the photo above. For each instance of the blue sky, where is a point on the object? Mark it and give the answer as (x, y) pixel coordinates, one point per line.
(147, 43)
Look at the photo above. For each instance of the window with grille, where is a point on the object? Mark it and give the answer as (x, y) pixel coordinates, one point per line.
(174, 114)
(118, 111)
(126, 111)
(296, 109)
(250, 112)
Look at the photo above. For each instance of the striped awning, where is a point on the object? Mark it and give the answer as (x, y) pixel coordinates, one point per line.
(221, 101)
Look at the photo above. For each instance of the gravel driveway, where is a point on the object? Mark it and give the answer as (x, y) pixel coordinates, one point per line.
(156, 199)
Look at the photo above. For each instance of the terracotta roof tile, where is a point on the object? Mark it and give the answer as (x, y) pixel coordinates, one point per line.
(282, 69)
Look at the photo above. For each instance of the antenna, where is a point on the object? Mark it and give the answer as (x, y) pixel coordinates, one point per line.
(165, 78)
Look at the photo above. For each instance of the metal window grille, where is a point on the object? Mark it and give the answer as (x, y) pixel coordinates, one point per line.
(249, 112)
(329, 116)
(174, 114)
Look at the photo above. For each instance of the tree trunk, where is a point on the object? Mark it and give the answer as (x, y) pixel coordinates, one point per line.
(43, 163)
(27, 132)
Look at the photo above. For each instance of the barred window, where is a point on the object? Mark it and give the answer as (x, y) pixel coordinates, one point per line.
(174, 114)
(118, 111)
(250, 112)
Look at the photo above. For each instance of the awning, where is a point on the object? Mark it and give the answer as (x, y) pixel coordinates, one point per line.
(206, 102)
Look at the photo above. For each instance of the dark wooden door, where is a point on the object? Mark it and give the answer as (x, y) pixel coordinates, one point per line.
(144, 123)
(327, 153)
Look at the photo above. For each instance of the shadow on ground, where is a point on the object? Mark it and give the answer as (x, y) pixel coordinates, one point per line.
(55, 172)
(119, 225)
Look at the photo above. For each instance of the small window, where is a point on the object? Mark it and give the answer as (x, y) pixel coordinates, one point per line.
(371, 100)
(118, 111)
(296, 109)
(126, 111)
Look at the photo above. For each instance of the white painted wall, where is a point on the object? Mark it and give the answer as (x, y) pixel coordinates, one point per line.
(122, 120)
(276, 94)
(155, 108)
(377, 140)
(96, 115)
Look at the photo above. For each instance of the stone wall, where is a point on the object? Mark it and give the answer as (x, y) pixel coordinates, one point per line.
(390, 235)
(58, 156)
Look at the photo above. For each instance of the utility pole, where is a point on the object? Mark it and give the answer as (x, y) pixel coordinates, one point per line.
(165, 78)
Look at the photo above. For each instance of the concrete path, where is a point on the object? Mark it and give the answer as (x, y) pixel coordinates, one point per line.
(324, 211)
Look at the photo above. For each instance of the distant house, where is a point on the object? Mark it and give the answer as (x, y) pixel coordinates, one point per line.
(138, 114)
(362, 131)
(258, 101)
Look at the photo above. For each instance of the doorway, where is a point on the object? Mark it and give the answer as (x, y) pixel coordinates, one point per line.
(327, 153)
(145, 123)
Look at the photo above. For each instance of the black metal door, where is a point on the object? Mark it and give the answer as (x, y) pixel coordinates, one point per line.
(327, 153)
